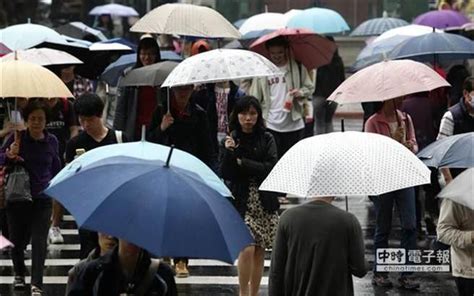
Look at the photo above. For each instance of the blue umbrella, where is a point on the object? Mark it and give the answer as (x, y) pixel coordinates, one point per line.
(167, 210)
(377, 26)
(319, 20)
(113, 72)
(452, 152)
(434, 47)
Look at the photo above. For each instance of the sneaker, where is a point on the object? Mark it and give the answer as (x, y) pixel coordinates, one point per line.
(55, 236)
(381, 280)
(19, 283)
(181, 269)
(408, 284)
(35, 291)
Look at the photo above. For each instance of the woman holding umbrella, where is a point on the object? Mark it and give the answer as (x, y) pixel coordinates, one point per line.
(248, 155)
(391, 122)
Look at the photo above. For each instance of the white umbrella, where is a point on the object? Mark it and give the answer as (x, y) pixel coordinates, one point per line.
(461, 189)
(346, 163)
(114, 9)
(221, 65)
(43, 57)
(187, 20)
(291, 13)
(99, 46)
(409, 30)
(264, 21)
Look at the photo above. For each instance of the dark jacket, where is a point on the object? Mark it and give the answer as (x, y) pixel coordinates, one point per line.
(190, 133)
(103, 276)
(258, 153)
(463, 122)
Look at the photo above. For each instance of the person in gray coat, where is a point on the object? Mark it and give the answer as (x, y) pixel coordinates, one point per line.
(318, 248)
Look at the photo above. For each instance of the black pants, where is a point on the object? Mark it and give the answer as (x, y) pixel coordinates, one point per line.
(284, 141)
(29, 220)
(465, 286)
(3, 223)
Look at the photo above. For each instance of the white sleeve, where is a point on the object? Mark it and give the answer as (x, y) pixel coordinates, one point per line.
(446, 127)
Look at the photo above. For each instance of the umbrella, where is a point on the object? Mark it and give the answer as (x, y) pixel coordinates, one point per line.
(4, 49)
(114, 9)
(410, 30)
(221, 65)
(113, 72)
(4, 243)
(441, 19)
(434, 47)
(43, 57)
(250, 37)
(346, 163)
(110, 46)
(187, 20)
(239, 23)
(377, 26)
(123, 41)
(310, 49)
(461, 189)
(80, 30)
(452, 152)
(263, 21)
(152, 75)
(149, 152)
(319, 20)
(291, 13)
(387, 80)
(28, 80)
(184, 217)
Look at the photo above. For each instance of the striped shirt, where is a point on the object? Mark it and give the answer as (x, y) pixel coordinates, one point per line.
(446, 128)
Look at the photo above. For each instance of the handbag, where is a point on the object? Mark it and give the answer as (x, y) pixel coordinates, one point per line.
(269, 201)
(17, 184)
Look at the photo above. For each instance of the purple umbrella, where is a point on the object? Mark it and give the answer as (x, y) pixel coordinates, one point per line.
(441, 19)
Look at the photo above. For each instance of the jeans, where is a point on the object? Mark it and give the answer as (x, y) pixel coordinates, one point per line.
(284, 141)
(405, 201)
(323, 113)
(29, 220)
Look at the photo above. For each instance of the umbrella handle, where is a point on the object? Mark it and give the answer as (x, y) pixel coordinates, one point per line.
(395, 111)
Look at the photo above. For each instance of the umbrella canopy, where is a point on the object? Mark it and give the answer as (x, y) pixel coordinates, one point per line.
(453, 152)
(263, 21)
(110, 46)
(410, 30)
(168, 211)
(80, 30)
(319, 20)
(388, 80)
(123, 41)
(434, 47)
(291, 13)
(221, 65)
(152, 75)
(43, 57)
(187, 20)
(377, 26)
(28, 80)
(239, 23)
(4, 49)
(461, 189)
(4, 243)
(310, 49)
(441, 19)
(114, 9)
(347, 163)
(149, 152)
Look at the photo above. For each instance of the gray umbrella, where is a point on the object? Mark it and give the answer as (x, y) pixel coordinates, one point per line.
(451, 152)
(152, 75)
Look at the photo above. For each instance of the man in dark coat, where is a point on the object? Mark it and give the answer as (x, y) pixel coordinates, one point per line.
(317, 250)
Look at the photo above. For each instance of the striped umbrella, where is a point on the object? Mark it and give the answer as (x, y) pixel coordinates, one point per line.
(377, 26)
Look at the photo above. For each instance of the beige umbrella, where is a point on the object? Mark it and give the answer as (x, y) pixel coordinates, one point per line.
(43, 57)
(187, 20)
(22, 79)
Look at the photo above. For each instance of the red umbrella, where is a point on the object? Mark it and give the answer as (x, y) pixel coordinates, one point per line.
(4, 49)
(307, 47)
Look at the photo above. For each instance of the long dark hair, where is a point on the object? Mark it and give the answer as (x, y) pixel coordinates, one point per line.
(244, 104)
(147, 43)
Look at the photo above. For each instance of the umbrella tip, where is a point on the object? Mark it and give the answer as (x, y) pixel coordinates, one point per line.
(384, 14)
(143, 133)
(167, 165)
(16, 55)
(29, 20)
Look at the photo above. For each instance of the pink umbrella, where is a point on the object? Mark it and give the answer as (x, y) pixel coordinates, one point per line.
(4, 243)
(4, 49)
(307, 47)
(387, 80)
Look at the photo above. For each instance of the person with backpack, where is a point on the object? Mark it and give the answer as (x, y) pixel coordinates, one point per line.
(64, 126)
(89, 108)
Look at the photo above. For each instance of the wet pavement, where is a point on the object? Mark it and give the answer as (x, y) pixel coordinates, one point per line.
(210, 277)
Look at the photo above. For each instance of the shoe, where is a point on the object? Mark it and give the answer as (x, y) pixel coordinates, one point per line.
(181, 269)
(35, 291)
(381, 280)
(55, 236)
(408, 284)
(19, 283)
